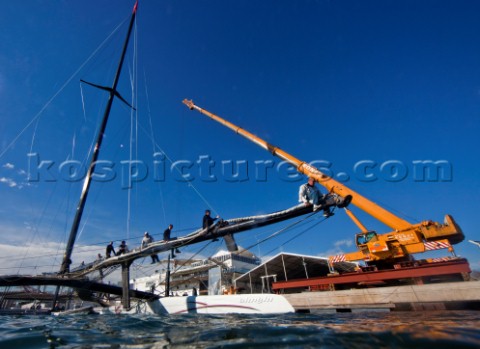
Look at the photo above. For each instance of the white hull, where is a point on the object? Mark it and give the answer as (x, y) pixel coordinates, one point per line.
(239, 304)
(228, 304)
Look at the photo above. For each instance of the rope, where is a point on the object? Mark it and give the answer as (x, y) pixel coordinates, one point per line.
(152, 137)
(297, 235)
(157, 146)
(36, 118)
(284, 230)
(83, 103)
(75, 73)
(133, 126)
(194, 255)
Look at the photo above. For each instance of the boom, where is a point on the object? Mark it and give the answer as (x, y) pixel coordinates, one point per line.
(406, 238)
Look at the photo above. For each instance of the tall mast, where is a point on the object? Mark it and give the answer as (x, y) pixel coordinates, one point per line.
(86, 184)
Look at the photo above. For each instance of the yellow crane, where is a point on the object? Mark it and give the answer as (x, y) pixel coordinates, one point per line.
(384, 250)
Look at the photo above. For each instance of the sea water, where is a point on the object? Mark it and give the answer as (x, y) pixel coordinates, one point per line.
(433, 330)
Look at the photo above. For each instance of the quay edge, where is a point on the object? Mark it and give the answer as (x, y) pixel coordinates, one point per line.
(441, 296)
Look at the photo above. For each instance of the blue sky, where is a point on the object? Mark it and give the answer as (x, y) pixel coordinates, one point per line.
(336, 82)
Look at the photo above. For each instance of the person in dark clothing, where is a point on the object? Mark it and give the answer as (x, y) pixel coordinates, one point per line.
(208, 220)
(122, 248)
(167, 232)
(155, 258)
(166, 237)
(110, 249)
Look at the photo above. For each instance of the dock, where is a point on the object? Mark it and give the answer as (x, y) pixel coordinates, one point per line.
(441, 296)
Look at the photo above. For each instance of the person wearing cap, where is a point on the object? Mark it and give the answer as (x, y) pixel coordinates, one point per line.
(148, 239)
(309, 194)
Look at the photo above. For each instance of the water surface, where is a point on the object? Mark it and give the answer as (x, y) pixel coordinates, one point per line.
(433, 330)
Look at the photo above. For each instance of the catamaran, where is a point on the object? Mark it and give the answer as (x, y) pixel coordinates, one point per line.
(148, 302)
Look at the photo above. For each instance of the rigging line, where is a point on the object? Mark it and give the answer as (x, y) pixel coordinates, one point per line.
(297, 235)
(209, 205)
(46, 255)
(145, 269)
(52, 193)
(28, 178)
(133, 121)
(399, 212)
(192, 256)
(259, 252)
(135, 97)
(258, 235)
(75, 73)
(152, 137)
(135, 87)
(282, 230)
(73, 145)
(83, 163)
(83, 103)
(67, 218)
(91, 210)
(133, 141)
(30, 267)
(31, 144)
(180, 172)
(42, 215)
(244, 238)
(130, 155)
(86, 219)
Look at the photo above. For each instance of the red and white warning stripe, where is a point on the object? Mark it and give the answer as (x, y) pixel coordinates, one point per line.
(442, 259)
(436, 245)
(338, 258)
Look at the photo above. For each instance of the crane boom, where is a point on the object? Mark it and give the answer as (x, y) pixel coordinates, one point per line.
(405, 239)
(332, 185)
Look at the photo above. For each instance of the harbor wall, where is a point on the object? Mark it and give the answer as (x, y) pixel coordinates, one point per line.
(453, 295)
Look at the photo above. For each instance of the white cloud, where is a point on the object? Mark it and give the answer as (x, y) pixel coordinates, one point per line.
(345, 243)
(19, 184)
(339, 247)
(15, 260)
(8, 181)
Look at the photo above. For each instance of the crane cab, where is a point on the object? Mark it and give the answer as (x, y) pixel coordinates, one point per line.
(361, 239)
